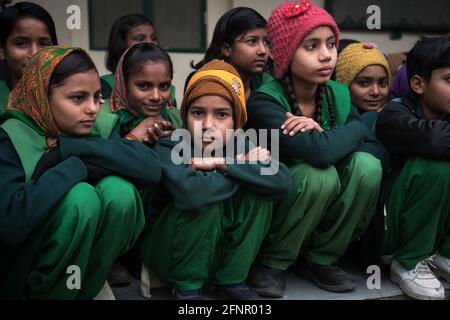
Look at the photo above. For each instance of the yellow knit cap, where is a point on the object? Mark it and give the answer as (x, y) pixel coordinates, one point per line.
(355, 57)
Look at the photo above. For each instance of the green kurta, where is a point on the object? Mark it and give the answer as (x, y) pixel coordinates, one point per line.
(215, 223)
(336, 178)
(59, 221)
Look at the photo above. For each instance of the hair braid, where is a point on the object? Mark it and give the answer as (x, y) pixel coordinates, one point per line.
(319, 102)
(287, 84)
(330, 109)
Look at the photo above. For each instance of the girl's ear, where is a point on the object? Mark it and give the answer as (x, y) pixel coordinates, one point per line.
(417, 84)
(226, 50)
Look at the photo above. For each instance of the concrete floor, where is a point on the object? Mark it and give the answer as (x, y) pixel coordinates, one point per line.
(298, 288)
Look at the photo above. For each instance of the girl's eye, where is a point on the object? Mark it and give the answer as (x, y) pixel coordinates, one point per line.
(383, 83)
(77, 99)
(363, 83)
(221, 114)
(310, 46)
(331, 44)
(98, 97)
(251, 41)
(165, 86)
(267, 43)
(45, 43)
(196, 113)
(21, 43)
(143, 86)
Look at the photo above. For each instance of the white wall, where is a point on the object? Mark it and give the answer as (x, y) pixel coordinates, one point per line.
(215, 8)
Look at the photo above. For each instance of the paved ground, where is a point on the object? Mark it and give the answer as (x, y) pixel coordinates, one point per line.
(297, 289)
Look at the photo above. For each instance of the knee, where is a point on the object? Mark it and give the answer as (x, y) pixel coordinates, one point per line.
(118, 194)
(368, 169)
(316, 181)
(81, 202)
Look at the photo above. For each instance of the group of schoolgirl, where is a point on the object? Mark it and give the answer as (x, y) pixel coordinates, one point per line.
(87, 173)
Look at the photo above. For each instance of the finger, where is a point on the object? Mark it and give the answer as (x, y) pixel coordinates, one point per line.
(299, 128)
(287, 122)
(157, 130)
(166, 133)
(151, 135)
(291, 125)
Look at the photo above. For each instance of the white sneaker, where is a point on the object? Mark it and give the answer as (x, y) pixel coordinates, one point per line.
(440, 266)
(418, 283)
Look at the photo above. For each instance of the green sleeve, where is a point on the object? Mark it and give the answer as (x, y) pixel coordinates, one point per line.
(24, 205)
(318, 149)
(130, 159)
(190, 189)
(370, 144)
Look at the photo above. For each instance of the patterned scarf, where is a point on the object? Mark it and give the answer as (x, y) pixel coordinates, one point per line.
(119, 99)
(30, 95)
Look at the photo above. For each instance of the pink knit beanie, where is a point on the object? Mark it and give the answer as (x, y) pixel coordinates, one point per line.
(289, 24)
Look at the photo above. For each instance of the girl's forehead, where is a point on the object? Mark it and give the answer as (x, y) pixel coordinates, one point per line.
(322, 32)
(30, 26)
(153, 68)
(254, 31)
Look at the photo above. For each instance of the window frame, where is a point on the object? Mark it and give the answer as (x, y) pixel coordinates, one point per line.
(149, 13)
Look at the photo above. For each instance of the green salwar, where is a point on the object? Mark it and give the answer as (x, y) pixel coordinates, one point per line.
(89, 228)
(418, 211)
(324, 212)
(186, 249)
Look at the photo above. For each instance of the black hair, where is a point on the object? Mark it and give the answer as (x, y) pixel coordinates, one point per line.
(231, 25)
(321, 92)
(76, 62)
(428, 54)
(9, 16)
(117, 42)
(344, 43)
(144, 52)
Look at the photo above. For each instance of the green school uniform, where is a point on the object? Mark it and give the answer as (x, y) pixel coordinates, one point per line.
(417, 223)
(4, 94)
(59, 221)
(213, 227)
(336, 177)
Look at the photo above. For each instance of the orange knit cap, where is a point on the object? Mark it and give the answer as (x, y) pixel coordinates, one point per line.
(217, 78)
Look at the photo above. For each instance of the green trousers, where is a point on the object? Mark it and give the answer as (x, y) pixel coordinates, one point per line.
(89, 228)
(418, 210)
(324, 212)
(187, 249)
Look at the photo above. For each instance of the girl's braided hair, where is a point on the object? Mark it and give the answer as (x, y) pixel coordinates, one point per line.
(321, 91)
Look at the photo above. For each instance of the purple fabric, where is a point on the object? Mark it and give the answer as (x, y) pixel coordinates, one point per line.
(400, 85)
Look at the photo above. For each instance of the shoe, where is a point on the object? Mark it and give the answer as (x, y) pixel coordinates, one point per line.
(419, 283)
(195, 294)
(118, 276)
(266, 281)
(330, 278)
(440, 266)
(236, 292)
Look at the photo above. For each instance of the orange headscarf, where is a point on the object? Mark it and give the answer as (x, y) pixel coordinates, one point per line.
(30, 95)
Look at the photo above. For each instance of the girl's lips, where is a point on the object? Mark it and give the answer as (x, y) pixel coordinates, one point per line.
(152, 107)
(88, 123)
(325, 71)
